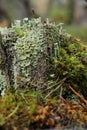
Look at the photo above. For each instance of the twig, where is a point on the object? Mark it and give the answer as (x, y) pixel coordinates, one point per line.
(61, 91)
(83, 106)
(55, 84)
(24, 98)
(11, 114)
(63, 99)
(78, 95)
(54, 90)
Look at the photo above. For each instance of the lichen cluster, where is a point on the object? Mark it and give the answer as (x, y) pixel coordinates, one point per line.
(29, 47)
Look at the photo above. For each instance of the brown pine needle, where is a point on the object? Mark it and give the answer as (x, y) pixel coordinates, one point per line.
(78, 95)
(63, 100)
(83, 106)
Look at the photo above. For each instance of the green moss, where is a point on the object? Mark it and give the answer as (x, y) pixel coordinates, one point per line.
(70, 64)
(20, 107)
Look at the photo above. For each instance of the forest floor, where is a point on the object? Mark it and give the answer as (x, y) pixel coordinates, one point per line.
(25, 110)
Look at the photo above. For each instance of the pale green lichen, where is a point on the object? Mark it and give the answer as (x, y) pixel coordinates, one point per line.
(26, 43)
(3, 83)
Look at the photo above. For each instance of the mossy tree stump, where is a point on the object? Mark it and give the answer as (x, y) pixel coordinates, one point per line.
(28, 50)
(32, 51)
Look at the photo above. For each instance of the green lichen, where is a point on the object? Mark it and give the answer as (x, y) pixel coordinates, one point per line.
(25, 44)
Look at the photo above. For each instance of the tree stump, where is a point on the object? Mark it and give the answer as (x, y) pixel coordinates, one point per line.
(28, 50)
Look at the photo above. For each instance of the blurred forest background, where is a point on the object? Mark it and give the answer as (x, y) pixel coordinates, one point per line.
(73, 13)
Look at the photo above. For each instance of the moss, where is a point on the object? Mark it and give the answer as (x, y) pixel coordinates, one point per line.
(70, 64)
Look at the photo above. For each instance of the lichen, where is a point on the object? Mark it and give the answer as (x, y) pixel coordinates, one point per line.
(28, 45)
